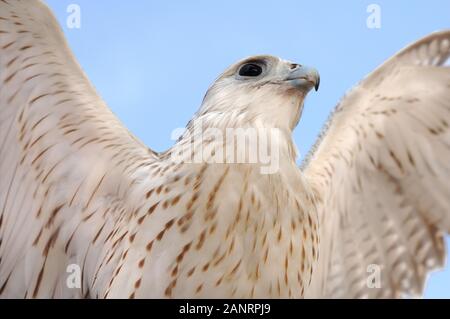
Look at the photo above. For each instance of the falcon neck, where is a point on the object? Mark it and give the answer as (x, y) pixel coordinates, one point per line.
(205, 141)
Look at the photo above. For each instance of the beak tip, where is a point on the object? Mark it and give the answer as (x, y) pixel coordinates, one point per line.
(317, 85)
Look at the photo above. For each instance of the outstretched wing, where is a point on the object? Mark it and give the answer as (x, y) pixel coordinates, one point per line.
(63, 155)
(381, 174)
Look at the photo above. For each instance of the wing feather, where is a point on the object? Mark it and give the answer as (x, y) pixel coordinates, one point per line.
(381, 175)
(63, 156)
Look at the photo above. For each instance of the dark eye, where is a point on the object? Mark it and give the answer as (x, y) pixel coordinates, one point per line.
(250, 69)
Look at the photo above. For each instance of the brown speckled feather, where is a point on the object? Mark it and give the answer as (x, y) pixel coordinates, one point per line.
(381, 173)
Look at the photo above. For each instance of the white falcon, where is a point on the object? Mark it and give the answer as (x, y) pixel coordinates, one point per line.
(365, 216)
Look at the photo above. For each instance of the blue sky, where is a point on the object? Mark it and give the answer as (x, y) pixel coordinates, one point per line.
(152, 62)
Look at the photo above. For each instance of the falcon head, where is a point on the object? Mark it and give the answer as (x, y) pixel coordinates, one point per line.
(261, 90)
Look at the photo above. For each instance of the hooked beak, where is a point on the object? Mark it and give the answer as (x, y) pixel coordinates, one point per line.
(304, 78)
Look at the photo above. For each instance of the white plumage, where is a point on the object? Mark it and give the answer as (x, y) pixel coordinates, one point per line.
(382, 173)
(77, 188)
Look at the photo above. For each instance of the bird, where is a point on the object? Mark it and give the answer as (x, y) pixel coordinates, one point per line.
(364, 215)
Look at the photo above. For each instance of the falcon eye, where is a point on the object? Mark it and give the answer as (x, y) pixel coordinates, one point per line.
(250, 69)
